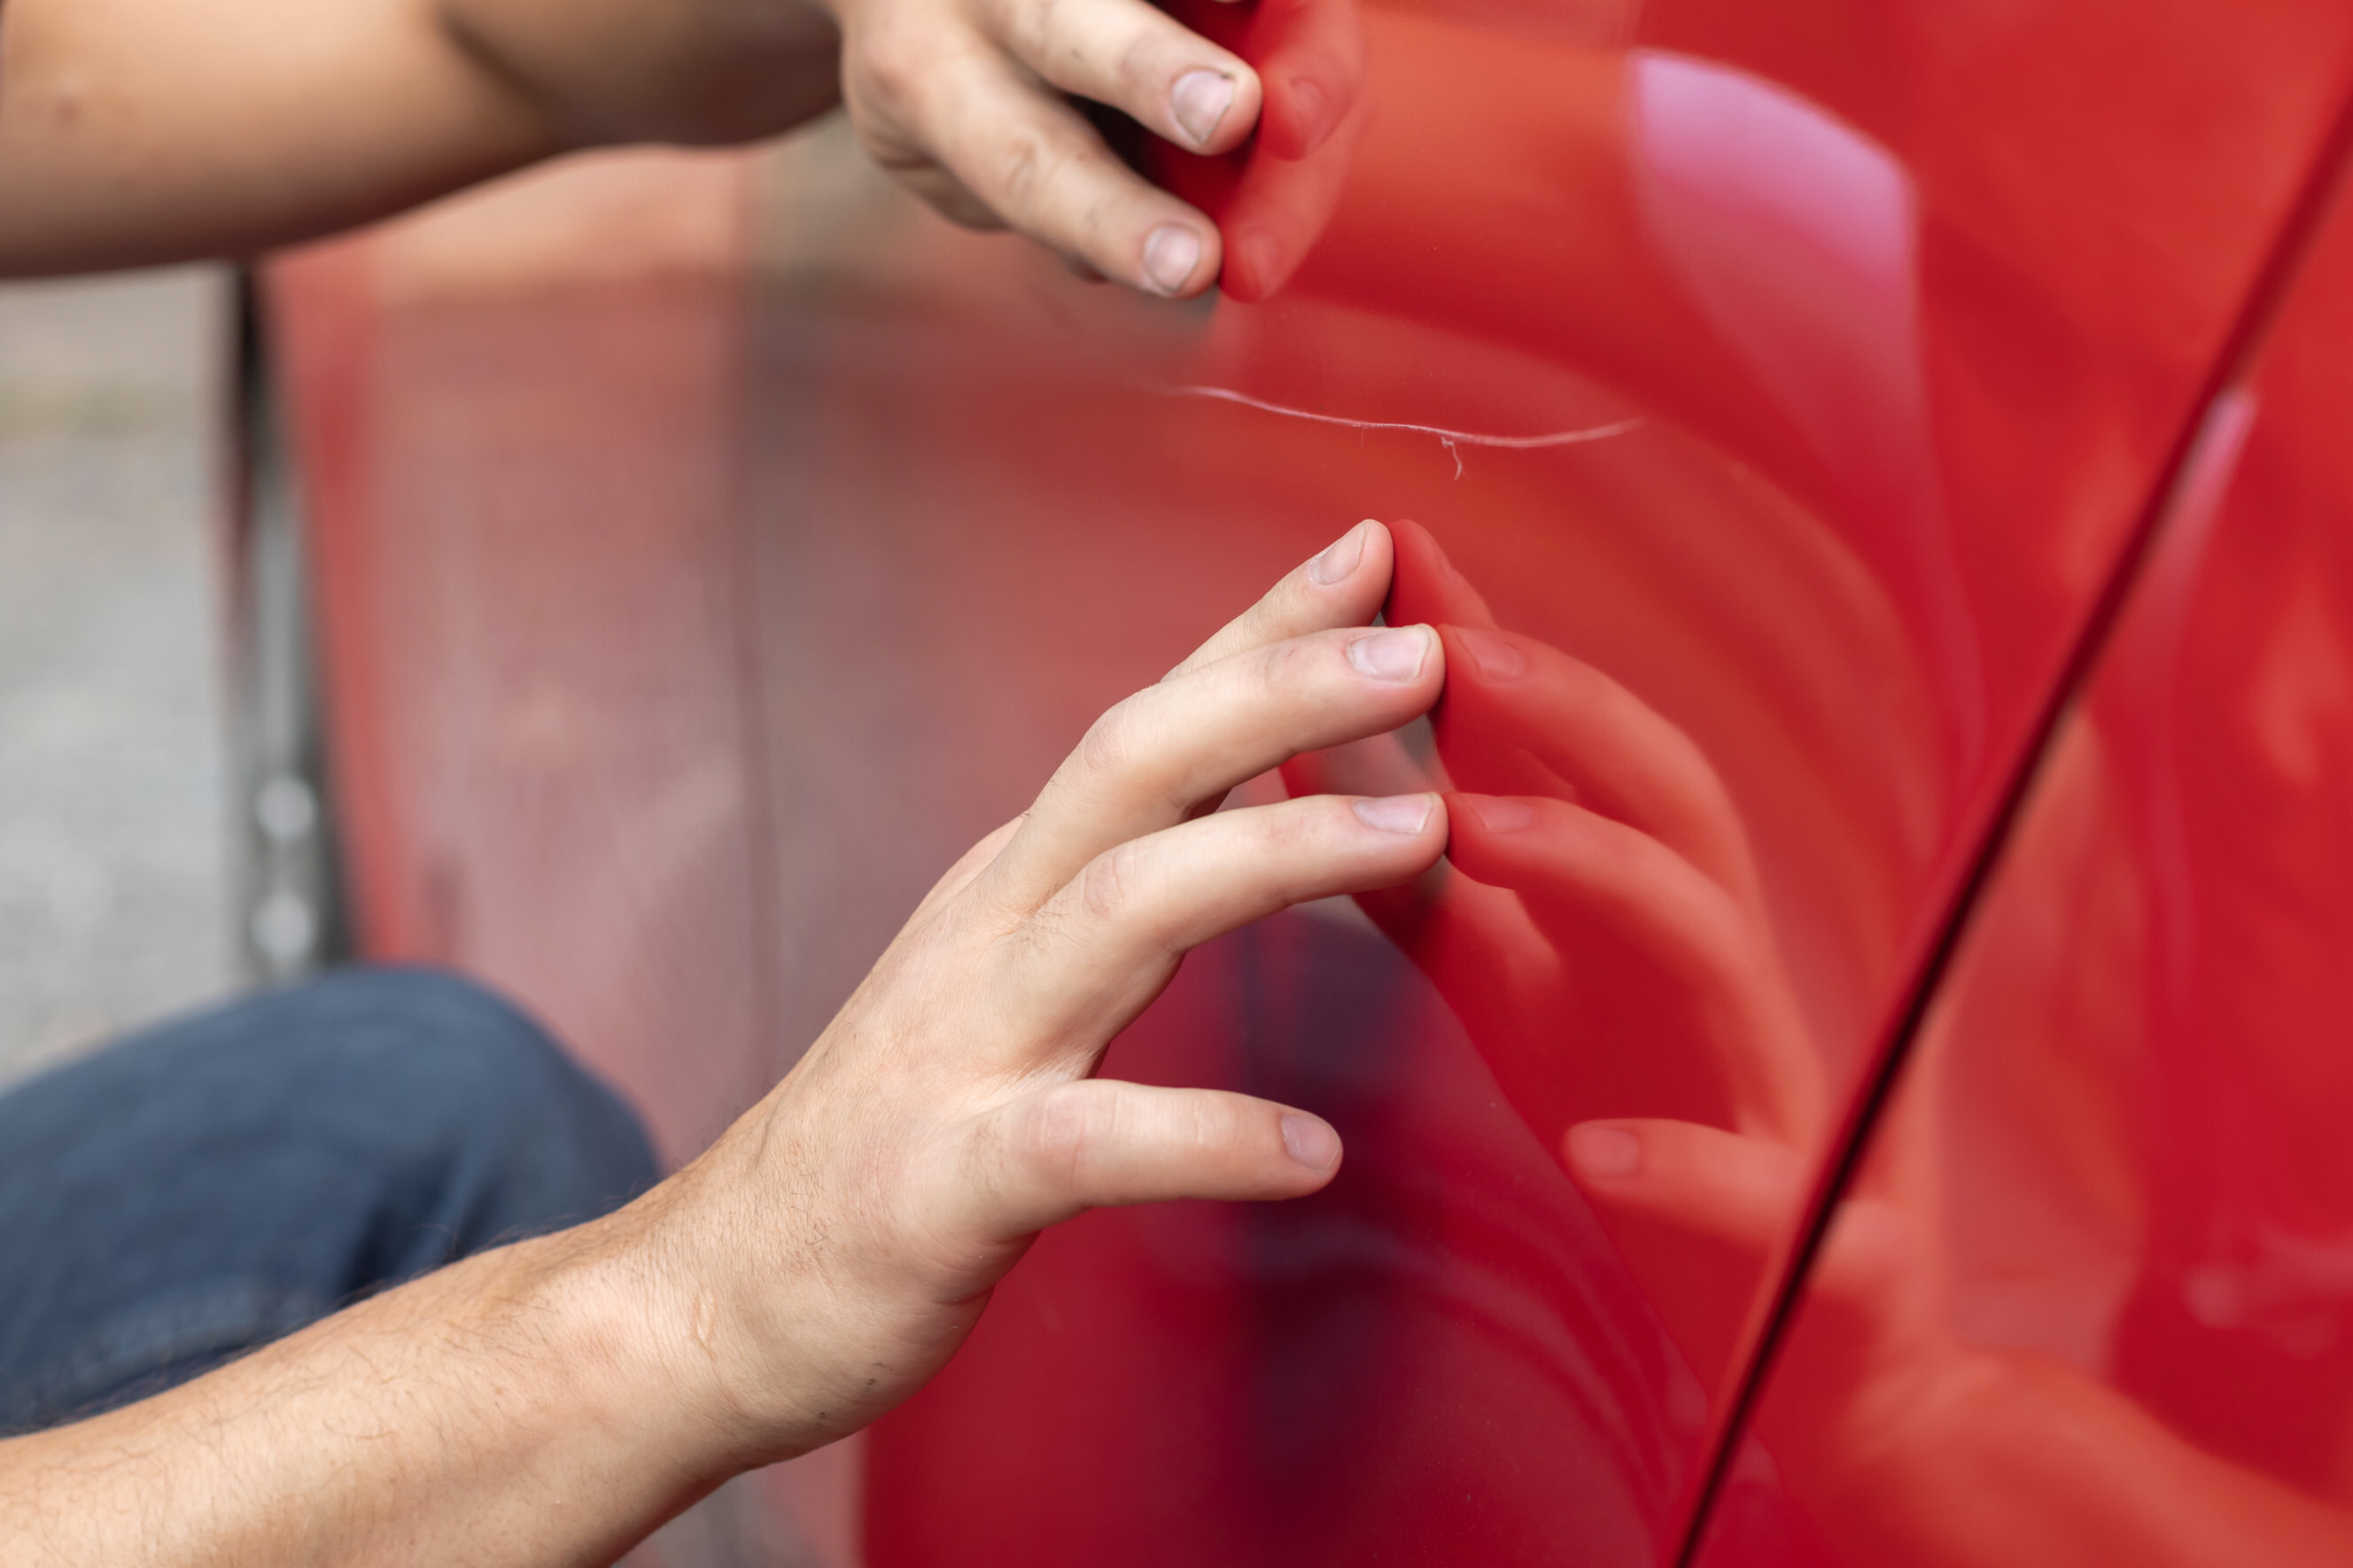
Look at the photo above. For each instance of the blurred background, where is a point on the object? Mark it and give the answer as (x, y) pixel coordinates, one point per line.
(115, 903)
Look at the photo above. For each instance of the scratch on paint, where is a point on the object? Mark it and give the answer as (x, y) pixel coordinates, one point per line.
(1452, 441)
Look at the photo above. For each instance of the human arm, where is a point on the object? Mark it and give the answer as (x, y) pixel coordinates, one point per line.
(552, 1401)
(141, 131)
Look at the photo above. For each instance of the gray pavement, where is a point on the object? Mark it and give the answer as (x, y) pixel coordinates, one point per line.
(114, 905)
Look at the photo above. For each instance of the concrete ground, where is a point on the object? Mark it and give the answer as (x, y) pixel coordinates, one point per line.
(114, 902)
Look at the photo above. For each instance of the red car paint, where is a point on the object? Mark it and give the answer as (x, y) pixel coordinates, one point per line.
(2114, 1169)
(709, 549)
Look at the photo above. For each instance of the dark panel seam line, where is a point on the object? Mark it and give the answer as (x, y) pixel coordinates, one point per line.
(2266, 298)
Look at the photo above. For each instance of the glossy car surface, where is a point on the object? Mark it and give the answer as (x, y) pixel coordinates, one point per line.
(1798, 407)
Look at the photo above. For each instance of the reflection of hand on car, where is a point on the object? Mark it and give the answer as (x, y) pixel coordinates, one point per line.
(1616, 835)
(1910, 1446)
(1596, 856)
(1274, 196)
(1599, 929)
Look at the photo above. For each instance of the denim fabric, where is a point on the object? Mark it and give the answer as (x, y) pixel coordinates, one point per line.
(199, 1190)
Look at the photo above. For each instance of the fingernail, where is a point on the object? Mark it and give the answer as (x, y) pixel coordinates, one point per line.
(1501, 813)
(1497, 656)
(1393, 813)
(1170, 254)
(1604, 1154)
(1200, 100)
(1391, 655)
(1339, 560)
(1311, 1140)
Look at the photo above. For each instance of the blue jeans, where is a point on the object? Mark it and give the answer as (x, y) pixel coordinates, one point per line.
(199, 1190)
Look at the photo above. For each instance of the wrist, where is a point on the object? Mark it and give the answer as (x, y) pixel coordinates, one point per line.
(773, 1330)
(735, 1343)
(632, 1338)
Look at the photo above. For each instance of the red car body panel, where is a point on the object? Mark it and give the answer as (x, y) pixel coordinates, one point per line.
(2116, 1169)
(710, 549)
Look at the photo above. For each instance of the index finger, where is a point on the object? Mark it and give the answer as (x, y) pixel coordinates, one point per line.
(1343, 584)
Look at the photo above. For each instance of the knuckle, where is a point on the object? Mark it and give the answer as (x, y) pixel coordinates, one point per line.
(882, 77)
(1109, 746)
(1220, 1125)
(1025, 166)
(1106, 884)
(1288, 666)
(1288, 846)
(1140, 66)
(1305, 827)
(893, 71)
(1038, 30)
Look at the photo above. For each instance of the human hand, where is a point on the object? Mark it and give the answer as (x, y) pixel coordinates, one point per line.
(964, 101)
(836, 1246)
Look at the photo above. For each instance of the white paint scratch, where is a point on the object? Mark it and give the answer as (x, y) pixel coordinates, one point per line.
(1450, 439)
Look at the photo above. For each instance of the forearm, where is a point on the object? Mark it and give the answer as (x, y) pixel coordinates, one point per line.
(696, 71)
(137, 131)
(527, 1406)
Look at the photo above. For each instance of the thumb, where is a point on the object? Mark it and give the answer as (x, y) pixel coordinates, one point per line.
(1052, 1154)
